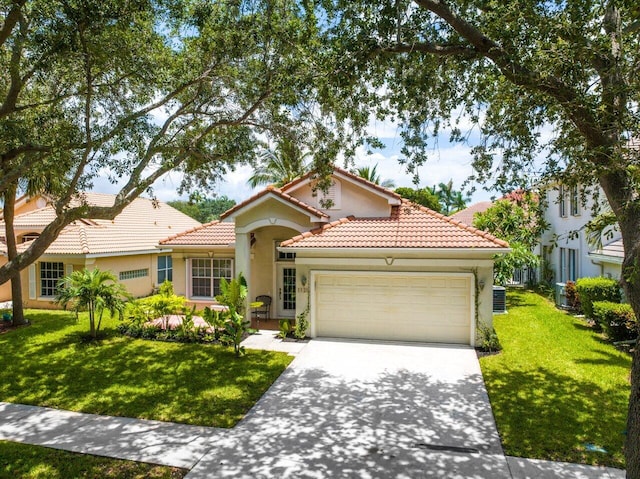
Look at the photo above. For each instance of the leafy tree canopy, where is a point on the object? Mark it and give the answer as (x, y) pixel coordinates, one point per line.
(421, 196)
(132, 90)
(204, 210)
(520, 223)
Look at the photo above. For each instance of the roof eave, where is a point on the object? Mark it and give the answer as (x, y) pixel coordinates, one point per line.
(605, 258)
(271, 195)
(470, 250)
(196, 246)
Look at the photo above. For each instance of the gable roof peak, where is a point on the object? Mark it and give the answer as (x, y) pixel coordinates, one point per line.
(308, 177)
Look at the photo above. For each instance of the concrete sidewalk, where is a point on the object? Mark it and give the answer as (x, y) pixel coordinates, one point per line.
(180, 445)
(156, 442)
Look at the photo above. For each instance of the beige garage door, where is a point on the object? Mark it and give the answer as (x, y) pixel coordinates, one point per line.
(401, 307)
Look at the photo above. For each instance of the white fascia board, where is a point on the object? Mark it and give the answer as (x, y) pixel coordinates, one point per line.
(394, 251)
(186, 247)
(121, 253)
(388, 263)
(603, 258)
(273, 196)
(390, 199)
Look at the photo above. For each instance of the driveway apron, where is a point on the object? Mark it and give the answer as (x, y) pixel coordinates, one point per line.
(355, 409)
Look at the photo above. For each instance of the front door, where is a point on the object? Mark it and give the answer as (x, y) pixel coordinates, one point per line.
(286, 291)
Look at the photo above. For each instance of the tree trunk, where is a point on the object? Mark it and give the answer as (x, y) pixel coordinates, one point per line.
(631, 284)
(627, 210)
(92, 321)
(12, 252)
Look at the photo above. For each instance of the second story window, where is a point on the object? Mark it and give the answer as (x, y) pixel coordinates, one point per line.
(29, 237)
(562, 200)
(574, 201)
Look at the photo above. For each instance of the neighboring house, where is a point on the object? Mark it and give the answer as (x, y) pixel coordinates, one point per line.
(566, 253)
(609, 259)
(521, 276)
(366, 265)
(127, 246)
(466, 215)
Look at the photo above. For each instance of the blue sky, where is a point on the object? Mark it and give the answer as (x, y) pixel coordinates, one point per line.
(447, 162)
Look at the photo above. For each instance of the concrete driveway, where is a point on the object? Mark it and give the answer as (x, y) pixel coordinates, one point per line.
(347, 409)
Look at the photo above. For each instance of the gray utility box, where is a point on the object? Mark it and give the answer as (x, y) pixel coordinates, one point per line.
(561, 295)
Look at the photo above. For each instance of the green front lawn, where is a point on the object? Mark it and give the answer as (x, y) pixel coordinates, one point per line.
(48, 364)
(35, 462)
(557, 386)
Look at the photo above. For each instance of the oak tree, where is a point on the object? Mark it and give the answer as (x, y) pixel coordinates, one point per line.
(549, 90)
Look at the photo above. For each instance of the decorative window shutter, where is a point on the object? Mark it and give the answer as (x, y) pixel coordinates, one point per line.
(68, 269)
(32, 281)
(333, 194)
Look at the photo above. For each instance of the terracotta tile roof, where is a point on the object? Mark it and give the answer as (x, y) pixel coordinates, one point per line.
(348, 174)
(215, 233)
(277, 192)
(410, 226)
(138, 228)
(466, 215)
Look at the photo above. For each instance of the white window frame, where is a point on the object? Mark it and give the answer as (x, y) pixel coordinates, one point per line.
(562, 201)
(167, 270)
(46, 267)
(214, 285)
(568, 264)
(279, 256)
(29, 237)
(574, 201)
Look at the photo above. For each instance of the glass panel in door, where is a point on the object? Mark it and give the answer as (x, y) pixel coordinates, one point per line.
(287, 291)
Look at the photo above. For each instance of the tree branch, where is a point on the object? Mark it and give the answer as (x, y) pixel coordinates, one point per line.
(582, 117)
(11, 20)
(463, 51)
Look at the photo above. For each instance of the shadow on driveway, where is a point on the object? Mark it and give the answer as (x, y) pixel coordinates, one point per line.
(358, 409)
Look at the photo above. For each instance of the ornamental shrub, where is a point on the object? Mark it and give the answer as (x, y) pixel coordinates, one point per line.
(572, 296)
(596, 289)
(488, 340)
(617, 320)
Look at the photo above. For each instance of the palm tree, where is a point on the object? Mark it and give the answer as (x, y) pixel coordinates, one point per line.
(95, 291)
(450, 199)
(446, 195)
(280, 166)
(371, 174)
(459, 201)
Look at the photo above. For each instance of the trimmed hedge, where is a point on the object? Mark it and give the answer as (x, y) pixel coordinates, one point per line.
(596, 289)
(617, 320)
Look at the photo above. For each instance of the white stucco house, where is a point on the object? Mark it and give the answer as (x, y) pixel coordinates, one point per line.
(565, 250)
(368, 265)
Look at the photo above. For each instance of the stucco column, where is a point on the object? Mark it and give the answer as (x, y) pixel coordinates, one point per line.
(243, 265)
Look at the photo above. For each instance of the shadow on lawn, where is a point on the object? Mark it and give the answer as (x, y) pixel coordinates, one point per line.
(517, 298)
(545, 415)
(190, 383)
